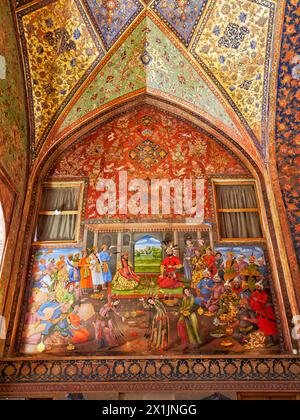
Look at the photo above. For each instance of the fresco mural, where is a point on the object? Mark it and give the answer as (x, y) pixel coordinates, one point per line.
(145, 144)
(288, 120)
(234, 44)
(61, 49)
(203, 301)
(13, 127)
(143, 62)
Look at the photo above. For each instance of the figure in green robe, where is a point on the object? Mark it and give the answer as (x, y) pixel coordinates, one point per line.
(188, 327)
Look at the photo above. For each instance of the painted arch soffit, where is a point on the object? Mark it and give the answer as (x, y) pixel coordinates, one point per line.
(229, 41)
(148, 61)
(60, 50)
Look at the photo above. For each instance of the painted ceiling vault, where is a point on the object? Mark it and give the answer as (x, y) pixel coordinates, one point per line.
(210, 56)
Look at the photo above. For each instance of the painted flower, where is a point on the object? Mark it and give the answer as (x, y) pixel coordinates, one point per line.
(40, 49)
(73, 62)
(217, 30)
(253, 44)
(89, 51)
(49, 23)
(77, 34)
(243, 17)
(182, 79)
(222, 59)
(109, 79)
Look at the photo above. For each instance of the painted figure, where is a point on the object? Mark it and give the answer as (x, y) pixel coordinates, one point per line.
(86, 281)
(254, 274)
(210, 262)
(231, 267)
(125, 278)
(105, 258)
(97, 274)
(246, 321)
(237, 286)
(159, 334)
(242, 266)
(188, 327)
(204, 289)
(217, 291)
(220, 264)
(261, 305)
(198, 266)
(169, 267)
(112, 331)
(189, 254)
(78, 333)
(228, 305)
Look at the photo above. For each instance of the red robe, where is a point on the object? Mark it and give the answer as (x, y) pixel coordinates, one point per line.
(170, 279)
(210, 262)
(265, 313)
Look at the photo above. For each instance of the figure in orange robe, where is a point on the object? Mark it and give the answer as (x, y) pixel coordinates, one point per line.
(86, 281)
(78, 332)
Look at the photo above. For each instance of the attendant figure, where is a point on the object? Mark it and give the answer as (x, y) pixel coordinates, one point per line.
(169, 267)
(246, 322)
(74, 274)
(125, 278)
(99, 333)
(86, 281)
(61, 282)
(220, 264)
(188, 327)
(262, 268)
(97, 274)
(242, 267)
(217, 291)
(231, 267)
(105, 258)
(189, 254)
(159, 335)
(210, 262)
(254, 274)
(204, 289)
(261, 305)
(237, 285)
(49, 314)
(228, 305)
(199, 266)
(69, 295)
(31, 332)
(112, 330)
(78, 333)
(61, 263)
(201, 247)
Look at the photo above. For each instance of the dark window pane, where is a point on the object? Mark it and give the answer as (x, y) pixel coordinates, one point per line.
(240, 225)
(236, 197)
(64, 199)
(57, 228)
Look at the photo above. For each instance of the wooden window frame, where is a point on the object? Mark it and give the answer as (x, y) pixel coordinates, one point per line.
(240, 182)
(63, 184)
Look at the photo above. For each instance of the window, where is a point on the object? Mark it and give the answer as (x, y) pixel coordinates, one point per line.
(59, 215)
(2, 233)
(238, 211)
